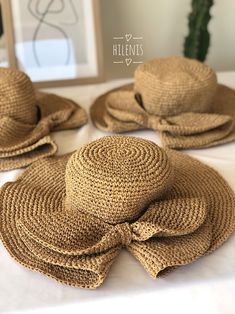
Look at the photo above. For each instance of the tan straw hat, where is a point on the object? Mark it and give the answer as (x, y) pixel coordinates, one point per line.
(176, 96)
(68, 217)
(27, 118)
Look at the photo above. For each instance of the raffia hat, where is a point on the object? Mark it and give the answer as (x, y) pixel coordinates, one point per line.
(68, 217)
(27, 118)
(176, 96)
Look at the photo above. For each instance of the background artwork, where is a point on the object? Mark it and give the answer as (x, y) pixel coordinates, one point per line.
(53, 32)
(56, 42)
(52, 19)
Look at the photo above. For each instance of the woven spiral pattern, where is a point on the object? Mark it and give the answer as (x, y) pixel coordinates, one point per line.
(17, 96)
(114, 178)
(170, 86)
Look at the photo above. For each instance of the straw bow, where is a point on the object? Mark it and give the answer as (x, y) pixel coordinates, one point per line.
(125, 106)
(72, 239)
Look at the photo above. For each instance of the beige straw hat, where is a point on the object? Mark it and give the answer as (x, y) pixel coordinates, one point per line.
(176, 96)
(69, 217)
(27, 118)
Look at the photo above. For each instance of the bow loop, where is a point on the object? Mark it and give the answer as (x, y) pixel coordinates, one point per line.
(70, 239)
(167, 218)
(192, 123)
(195, 130)
(123, 106)
(70, 232)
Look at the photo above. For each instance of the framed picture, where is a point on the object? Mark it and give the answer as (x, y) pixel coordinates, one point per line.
(56, 42)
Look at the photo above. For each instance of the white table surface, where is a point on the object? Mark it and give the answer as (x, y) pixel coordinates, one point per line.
(206, 286)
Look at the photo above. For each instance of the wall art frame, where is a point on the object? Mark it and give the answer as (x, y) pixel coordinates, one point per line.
(56, 42)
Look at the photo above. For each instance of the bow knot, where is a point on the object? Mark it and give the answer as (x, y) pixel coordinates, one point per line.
(153, 122)
(125, 233)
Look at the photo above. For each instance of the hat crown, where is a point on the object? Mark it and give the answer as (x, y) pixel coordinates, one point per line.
(174, 85)
(116, 177)
(17, 96)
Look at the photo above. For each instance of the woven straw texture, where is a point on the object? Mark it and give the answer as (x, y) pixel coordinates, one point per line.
(176, 96)
(27, 117)
(68, 217)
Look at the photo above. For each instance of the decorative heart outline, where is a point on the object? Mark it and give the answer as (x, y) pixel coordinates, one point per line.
(128, 61)
(128, 37)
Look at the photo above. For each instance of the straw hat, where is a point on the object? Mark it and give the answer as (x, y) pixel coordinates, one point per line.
(27, 118)
(176, 96)
(68, 217)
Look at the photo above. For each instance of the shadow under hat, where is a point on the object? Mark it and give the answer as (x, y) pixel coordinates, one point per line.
(27, 117)
(69, 217)
(176, 96)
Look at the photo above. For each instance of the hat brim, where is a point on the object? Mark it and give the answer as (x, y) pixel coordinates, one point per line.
(21, 143)
(44, 147)
(51, 103)
(41, 190)
(223, 104)
(98, 112)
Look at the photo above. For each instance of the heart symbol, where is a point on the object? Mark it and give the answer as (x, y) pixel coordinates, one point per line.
(128, 61)
(128, 37)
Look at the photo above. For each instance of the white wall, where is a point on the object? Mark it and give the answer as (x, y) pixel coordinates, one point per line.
(163, 25)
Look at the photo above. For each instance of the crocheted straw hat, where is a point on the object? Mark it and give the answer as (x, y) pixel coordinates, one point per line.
(26, 119)
(176, 96)
(68, 217)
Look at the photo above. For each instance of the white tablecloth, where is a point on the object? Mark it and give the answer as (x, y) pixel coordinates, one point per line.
(206, 286)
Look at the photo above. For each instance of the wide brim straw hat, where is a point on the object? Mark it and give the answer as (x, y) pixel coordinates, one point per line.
(178, 97)
(27, 117)
(68, 217)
